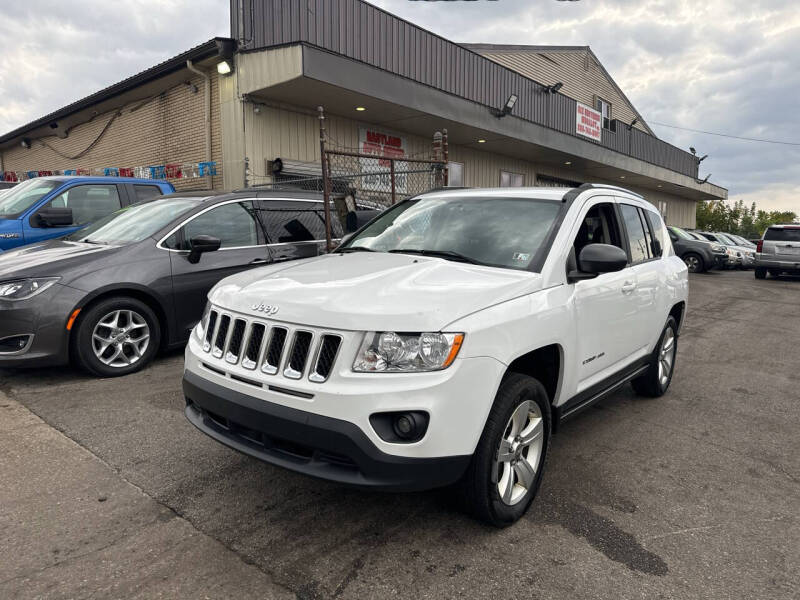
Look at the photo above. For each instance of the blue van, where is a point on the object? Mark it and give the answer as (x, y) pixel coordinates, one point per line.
(49, 207)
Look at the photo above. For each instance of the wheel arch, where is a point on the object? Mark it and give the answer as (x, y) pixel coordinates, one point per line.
(677, 312)
(136, 291)
(544, 364)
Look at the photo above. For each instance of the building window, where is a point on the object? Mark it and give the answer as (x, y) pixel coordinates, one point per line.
(604, 108)
(455, 174)
(509, 179)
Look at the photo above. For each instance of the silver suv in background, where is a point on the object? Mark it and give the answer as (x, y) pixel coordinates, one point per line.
(778, 251)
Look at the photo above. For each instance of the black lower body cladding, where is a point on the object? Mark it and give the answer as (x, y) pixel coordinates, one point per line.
(308, 443)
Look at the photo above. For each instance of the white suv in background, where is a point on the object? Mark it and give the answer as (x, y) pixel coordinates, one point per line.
(778, 251)
(443, 342)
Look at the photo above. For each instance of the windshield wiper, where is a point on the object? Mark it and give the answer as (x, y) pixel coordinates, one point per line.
(449, 254)
(354, 249)
(88, 241)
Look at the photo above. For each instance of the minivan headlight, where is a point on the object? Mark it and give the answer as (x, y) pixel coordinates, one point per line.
(22, 289)
(390, 352)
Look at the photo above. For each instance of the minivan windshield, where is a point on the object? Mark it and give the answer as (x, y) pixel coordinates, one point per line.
(135, 223)
(498, 232)
(21, 197)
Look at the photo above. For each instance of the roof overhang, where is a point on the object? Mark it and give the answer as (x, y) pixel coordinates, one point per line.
(305, 76)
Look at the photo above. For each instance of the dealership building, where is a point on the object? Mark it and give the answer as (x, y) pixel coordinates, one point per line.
(242, 111)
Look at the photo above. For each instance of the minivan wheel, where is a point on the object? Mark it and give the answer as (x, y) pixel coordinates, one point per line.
(656, 379)
(506, 469)
(694, 262)
(116, 336)
(760, 273)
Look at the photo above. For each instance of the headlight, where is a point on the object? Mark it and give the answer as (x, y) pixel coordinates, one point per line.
(389, 352)
(22, 289)
(200, 329)
(717, 248)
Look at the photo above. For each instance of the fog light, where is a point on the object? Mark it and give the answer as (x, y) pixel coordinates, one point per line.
(405, 427)
(400, 427)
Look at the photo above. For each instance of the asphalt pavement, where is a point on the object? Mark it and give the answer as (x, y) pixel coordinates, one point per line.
(106, 491)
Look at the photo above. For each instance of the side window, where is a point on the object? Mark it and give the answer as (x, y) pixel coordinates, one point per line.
(599, 226)
(235, 224)
(88, 202)
(287, 225)
(337, 231)
(637, 238)
(657, 229)
(145, 192)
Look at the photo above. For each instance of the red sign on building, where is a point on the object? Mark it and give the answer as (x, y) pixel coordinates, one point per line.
(589, 122)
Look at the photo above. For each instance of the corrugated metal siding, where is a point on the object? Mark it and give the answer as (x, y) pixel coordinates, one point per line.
(365, 33)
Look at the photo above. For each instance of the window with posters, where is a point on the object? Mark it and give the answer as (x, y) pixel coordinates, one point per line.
(377, 171)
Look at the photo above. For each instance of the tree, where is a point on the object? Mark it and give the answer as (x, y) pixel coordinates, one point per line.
(716, 215)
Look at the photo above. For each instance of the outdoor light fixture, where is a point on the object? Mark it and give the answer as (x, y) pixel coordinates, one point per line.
(568, 163)
(692, 150)
(360, 108)
(224, 67)
(506, 110)
(25, 143)
(622, 176)
(634, 122)
(699, 160)
(481, 141)
(552, 89)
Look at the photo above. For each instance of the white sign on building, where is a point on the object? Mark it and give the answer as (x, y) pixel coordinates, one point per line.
(382, 145)
(589, 122)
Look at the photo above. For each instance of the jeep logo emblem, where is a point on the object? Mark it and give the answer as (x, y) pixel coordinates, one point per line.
(268, 309)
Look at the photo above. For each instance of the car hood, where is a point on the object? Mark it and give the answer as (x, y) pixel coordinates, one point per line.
(372, 292)
(52, 258)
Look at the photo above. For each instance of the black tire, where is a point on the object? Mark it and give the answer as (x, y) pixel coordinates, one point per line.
(694, 262)
(774, 274)
(760, 273)
(651, 384)
(479, 490)
(83, 349)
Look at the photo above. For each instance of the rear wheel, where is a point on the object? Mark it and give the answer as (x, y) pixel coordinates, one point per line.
(656, 379)
(116, 336)
(760, 273)
(694, 262)
(506, 469)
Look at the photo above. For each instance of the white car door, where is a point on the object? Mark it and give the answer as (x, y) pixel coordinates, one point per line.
(605, 306)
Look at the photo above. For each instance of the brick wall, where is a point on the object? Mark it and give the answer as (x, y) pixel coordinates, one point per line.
(167, 128)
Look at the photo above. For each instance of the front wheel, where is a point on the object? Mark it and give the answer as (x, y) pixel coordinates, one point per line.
(116, 336)
(694, 262)
(506, 469)
(656, 379)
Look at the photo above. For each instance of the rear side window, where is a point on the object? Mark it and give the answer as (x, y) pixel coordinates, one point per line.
(292, 226)
(657, 232)
(778, 234)
(637, 238)
(145, 192)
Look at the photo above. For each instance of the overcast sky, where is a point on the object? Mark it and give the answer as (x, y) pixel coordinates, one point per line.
(729, 66)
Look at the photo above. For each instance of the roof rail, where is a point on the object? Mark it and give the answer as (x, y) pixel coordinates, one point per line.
(575, 192)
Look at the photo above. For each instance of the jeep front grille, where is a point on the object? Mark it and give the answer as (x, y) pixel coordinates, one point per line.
(271, 348)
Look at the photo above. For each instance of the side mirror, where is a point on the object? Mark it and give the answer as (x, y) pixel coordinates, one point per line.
(201, 244)
(595, 259)
(55, 217)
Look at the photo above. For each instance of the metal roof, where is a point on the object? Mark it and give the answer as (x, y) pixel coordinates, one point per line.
(212, 47)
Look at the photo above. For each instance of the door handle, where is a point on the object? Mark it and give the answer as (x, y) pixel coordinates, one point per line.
(259, 261)
(628, 287)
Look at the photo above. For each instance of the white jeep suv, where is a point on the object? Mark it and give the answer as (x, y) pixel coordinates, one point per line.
(443, 342)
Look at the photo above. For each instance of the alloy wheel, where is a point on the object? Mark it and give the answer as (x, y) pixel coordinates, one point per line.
(666, 357)
(693, 263)
(519, 453)
(120, 338)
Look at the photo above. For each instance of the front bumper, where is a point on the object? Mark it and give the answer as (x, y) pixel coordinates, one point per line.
(309, 443)
(44, 317)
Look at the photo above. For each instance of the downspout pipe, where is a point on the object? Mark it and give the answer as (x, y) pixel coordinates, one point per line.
(207, 110)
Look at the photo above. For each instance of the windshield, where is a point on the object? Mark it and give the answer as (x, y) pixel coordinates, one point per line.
(20, 198)
(700, 237)
(681, 233)
(726, 240)
(135, 223)
(499, 232)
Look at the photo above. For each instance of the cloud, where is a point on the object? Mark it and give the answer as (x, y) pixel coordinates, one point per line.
(730, 66)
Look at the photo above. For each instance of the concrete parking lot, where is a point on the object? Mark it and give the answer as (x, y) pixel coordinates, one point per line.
(107, 491)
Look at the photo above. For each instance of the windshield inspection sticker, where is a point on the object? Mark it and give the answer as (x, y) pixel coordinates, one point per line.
(521, 256)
